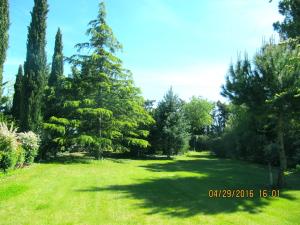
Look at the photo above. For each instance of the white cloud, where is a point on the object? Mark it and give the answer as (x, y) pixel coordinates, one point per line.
(203, 80)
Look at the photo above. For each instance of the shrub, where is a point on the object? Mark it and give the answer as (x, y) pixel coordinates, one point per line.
(10, 153)
(30, 144)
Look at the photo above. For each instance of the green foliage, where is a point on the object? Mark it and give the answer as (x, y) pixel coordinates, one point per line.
(57, 69)
(100, 109)
(198, 112)
(171, 132)
(30, 144)
(290, 26)
(4, 26)
(269, 89)
(16, 148)
(9, 147)
(35, 68)
(220, 115)
(17, 108)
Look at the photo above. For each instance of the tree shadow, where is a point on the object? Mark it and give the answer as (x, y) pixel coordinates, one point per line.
(70, 158)
(180, 196)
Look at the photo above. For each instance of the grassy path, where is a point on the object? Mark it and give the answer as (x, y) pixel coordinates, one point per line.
(144, 192)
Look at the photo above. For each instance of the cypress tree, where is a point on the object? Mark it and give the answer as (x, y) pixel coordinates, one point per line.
(17, 100)
(4, 25)
(35, 68)
(57, 69)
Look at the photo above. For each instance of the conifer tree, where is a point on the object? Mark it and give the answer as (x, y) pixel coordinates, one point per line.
(17, 108)
(270, 88)
(172, 128)
(290, 26)
(4, 26)
(35, 68)
(57, 68)
(105, 111)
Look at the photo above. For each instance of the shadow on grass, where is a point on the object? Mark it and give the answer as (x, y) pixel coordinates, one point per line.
(180, 196)
(70, 158)
(85, 158)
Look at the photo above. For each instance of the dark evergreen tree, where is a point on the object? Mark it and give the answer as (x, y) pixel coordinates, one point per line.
(290, 26)
(4, 26)
(172, 129)
(35, 68)
(220, 115)
(57, 68)
(105, 110)
(17, 107)
(53, 97)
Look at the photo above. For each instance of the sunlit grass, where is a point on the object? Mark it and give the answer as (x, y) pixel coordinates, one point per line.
(157, 192)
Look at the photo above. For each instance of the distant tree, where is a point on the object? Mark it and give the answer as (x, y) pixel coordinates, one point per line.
(271, 89)
(220, 115)
(199, 115)
(17, 108)
(290, 26)
(4, 26)
(57, 69)
(35, 68)
(172, 128)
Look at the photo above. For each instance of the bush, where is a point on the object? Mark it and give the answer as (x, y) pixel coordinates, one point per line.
(30, 144)
(10, 151)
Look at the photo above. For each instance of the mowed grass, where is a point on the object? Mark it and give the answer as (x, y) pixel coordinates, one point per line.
(123, 191)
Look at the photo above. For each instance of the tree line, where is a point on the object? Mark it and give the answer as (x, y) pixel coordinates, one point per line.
(262, 118)
(97, 108)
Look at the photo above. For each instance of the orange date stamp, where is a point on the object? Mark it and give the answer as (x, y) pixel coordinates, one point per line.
(243, 193)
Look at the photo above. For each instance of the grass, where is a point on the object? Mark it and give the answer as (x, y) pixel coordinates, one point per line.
(124, 191)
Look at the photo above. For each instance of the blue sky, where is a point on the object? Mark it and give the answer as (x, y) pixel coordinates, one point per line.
(186, 44)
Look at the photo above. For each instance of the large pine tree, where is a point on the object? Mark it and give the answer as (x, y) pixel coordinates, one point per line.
(4, 25)
(57, 68)
(35, 68)
(105, 110)
(17, 107)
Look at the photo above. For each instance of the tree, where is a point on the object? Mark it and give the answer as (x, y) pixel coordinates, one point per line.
(57, 68)
(198, 113)
(290, 27)
(17, 108)
(4, 26)
(53, 95)
(271, 89)
(35, 68)
(105, 111)
(172, 128)
(220, 115)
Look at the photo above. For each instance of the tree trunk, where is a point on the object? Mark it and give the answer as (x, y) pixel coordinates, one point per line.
(270, 174)
(282, 156)
(194, 142)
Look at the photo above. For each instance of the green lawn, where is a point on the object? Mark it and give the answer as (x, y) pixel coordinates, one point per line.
(156, 192)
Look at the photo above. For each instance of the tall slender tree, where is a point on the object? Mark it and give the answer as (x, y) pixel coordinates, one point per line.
(35, 68)
(57, 68)
(17, 107)
(4, 25)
